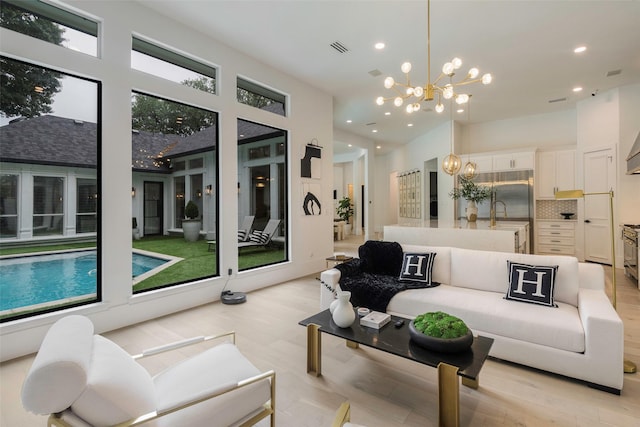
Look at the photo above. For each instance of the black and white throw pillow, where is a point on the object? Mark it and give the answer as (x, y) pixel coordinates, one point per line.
(242, 235)
(259, 237)
(531, 283)
(417, 267)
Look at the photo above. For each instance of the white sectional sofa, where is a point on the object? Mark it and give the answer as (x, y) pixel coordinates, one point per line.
(581, 338)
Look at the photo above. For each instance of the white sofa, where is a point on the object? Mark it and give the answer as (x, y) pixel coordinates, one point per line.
(581, 338)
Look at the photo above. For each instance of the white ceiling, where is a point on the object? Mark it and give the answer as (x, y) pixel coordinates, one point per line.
(526, 45)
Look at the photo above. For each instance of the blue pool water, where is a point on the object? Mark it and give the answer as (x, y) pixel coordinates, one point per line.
(38, 279)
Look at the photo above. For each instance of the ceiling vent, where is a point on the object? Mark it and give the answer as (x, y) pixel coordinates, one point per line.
(339, 47)
(375, 73)
(613, 73)
(551, 101)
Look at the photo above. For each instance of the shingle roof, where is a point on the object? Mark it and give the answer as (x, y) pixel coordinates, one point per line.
(52, 140)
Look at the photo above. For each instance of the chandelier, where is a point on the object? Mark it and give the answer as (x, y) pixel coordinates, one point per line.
(428, 92)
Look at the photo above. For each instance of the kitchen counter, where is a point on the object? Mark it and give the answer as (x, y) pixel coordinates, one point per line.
(506, 236)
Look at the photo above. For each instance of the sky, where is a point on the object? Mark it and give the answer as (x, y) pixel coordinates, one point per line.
(66, 102)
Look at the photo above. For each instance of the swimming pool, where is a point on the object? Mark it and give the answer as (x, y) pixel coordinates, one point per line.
(38, 279)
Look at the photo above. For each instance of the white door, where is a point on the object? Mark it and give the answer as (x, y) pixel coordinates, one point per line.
(599, 177)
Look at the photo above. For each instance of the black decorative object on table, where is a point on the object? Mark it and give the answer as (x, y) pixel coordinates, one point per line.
(567, 215)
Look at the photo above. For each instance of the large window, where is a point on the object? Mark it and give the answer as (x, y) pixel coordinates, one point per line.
(174, 145)
(49, 190)
(262, 193)
(51, 24)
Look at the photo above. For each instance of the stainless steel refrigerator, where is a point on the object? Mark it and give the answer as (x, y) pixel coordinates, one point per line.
(514, 197)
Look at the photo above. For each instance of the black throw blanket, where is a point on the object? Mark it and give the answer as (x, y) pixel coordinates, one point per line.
(373, 291)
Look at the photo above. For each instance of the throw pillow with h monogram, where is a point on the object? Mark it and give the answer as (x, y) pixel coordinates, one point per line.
(531, 283)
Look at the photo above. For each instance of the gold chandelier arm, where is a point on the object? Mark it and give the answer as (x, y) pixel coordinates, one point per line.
(467, 82)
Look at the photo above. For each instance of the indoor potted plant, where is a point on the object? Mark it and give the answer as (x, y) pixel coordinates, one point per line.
(473, 194)
(439, 331)
(345, 210)
(191, 224)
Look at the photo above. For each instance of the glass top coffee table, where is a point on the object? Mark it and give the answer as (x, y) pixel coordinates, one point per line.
(397, 341)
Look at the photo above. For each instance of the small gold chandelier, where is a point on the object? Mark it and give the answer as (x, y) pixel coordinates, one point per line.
(430, 90)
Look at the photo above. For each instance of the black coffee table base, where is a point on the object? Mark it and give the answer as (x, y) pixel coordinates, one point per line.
(466, 365)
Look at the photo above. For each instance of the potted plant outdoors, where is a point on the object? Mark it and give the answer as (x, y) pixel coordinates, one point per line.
(345, 210)
(473, 194)
(191, 224)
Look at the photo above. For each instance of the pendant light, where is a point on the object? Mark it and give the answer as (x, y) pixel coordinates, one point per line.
(452, 163)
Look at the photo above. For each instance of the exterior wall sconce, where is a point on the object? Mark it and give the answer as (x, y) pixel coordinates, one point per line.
(208, 189)
(133, 191)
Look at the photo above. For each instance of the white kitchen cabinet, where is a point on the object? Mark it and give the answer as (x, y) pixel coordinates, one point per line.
(555, 171)
(556, 237)
(513, 161)
(499, 162)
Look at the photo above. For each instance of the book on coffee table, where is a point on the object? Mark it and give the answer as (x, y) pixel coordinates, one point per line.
(375, 320)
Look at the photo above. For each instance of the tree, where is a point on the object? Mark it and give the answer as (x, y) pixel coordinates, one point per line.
(157, 115)
(19, 79)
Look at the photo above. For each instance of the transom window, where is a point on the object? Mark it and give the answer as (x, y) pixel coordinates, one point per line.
(50, 23)
(256, 95)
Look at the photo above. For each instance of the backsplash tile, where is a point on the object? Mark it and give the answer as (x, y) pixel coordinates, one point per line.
(550, 209)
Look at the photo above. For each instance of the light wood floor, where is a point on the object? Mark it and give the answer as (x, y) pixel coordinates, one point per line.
(384, 390)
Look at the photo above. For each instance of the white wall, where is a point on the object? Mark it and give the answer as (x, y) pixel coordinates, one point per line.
(310, 238)
(542, 131)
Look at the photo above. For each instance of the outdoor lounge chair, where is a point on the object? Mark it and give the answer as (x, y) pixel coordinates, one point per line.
(245, 228)
(83, 379)
(243, 232)
(261, 238)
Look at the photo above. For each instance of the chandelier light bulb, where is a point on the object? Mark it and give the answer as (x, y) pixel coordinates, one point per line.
(398, 101)
(486, 79)
(406, 67)
(389, 82)
(439, 107)
(409, 91)
(463, 98)
(447, 92)
(418, 91)
(448, 68)
(409, 108)
(457, 63)
(416, 106)
(380, 100)
(473, 73)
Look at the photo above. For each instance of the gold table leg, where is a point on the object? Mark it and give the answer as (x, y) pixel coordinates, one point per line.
(471, 383)
(448, 396)
(352, 344)
(314, 348)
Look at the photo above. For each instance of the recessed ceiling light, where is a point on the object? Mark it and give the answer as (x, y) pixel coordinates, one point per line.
(579, 49)
(577, 89)
(379, 45)
(460, 110)
(410, 124)
(375, 131)
(349, 121)
(378, 146)
(349, 145)
(388, 113)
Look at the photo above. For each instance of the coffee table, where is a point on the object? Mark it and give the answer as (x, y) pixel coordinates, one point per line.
(397, 341)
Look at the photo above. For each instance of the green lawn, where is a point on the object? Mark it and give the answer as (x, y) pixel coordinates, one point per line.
(198, 262)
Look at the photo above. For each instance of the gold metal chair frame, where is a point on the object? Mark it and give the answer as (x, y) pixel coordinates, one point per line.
(269, 409)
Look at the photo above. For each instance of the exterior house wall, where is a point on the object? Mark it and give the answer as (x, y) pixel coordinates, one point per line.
(310, 239)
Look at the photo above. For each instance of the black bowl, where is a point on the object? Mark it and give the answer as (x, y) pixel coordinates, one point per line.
(442, 345)
(567, 215)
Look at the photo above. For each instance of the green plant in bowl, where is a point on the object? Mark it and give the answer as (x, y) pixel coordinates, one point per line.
(440, 325)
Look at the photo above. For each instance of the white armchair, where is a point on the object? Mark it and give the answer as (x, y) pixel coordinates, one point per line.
(82, 379)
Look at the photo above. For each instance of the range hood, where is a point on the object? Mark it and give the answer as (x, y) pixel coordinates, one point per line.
(633, 160)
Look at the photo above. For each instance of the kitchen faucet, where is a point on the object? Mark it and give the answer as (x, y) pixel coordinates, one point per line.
(492, 209)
